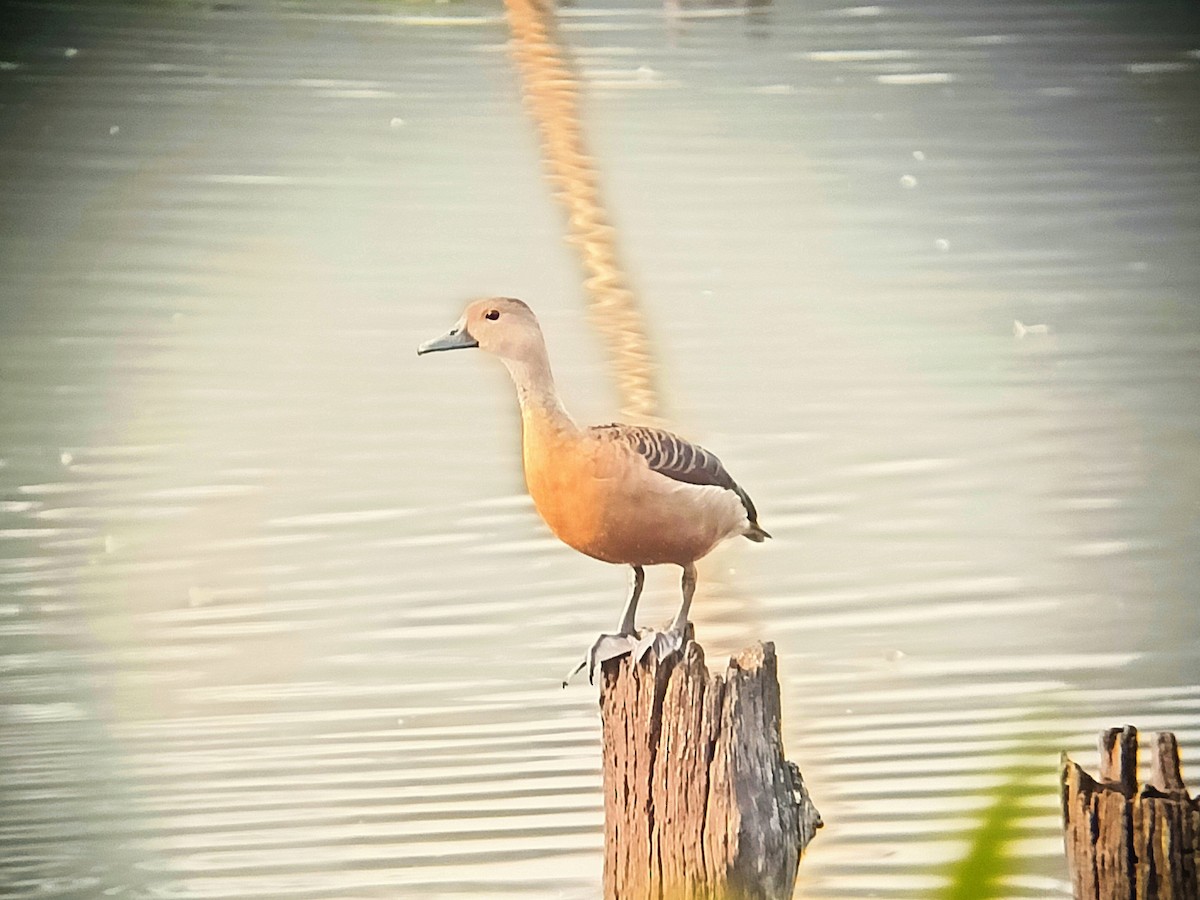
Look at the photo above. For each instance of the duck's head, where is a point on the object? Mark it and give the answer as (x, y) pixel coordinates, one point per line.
(501, 326)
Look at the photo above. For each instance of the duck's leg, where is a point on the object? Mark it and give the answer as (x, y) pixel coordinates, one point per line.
(610, 646)
(688, 586)
(626, 625)
(664, 643)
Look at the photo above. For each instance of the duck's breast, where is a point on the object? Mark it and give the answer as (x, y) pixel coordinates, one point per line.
(569, 489)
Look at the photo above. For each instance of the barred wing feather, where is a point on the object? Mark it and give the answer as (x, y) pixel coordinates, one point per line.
(672, 456)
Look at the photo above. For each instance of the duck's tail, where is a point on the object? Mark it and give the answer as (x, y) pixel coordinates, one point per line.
(756, 533)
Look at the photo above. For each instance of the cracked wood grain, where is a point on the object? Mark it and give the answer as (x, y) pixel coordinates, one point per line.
(699, 801)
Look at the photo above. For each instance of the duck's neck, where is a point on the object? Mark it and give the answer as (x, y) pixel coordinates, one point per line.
(540, 406)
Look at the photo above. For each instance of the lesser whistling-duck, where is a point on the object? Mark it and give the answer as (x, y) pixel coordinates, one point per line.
(627, 494)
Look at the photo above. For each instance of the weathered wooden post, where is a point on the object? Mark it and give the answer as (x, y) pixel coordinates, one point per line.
(1128, 844)
(699, 802)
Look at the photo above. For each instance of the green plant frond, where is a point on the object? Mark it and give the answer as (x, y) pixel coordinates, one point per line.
(977, 875)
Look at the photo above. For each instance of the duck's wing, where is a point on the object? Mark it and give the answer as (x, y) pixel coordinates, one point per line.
(672, 456)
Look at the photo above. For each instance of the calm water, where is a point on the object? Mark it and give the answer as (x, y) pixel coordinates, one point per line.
(276, 618)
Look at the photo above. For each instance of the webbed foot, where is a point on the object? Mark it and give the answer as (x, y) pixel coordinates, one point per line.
(604, 648)
(660, 643)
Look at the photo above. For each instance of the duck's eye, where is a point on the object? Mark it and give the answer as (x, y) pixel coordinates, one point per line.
(492, 314)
